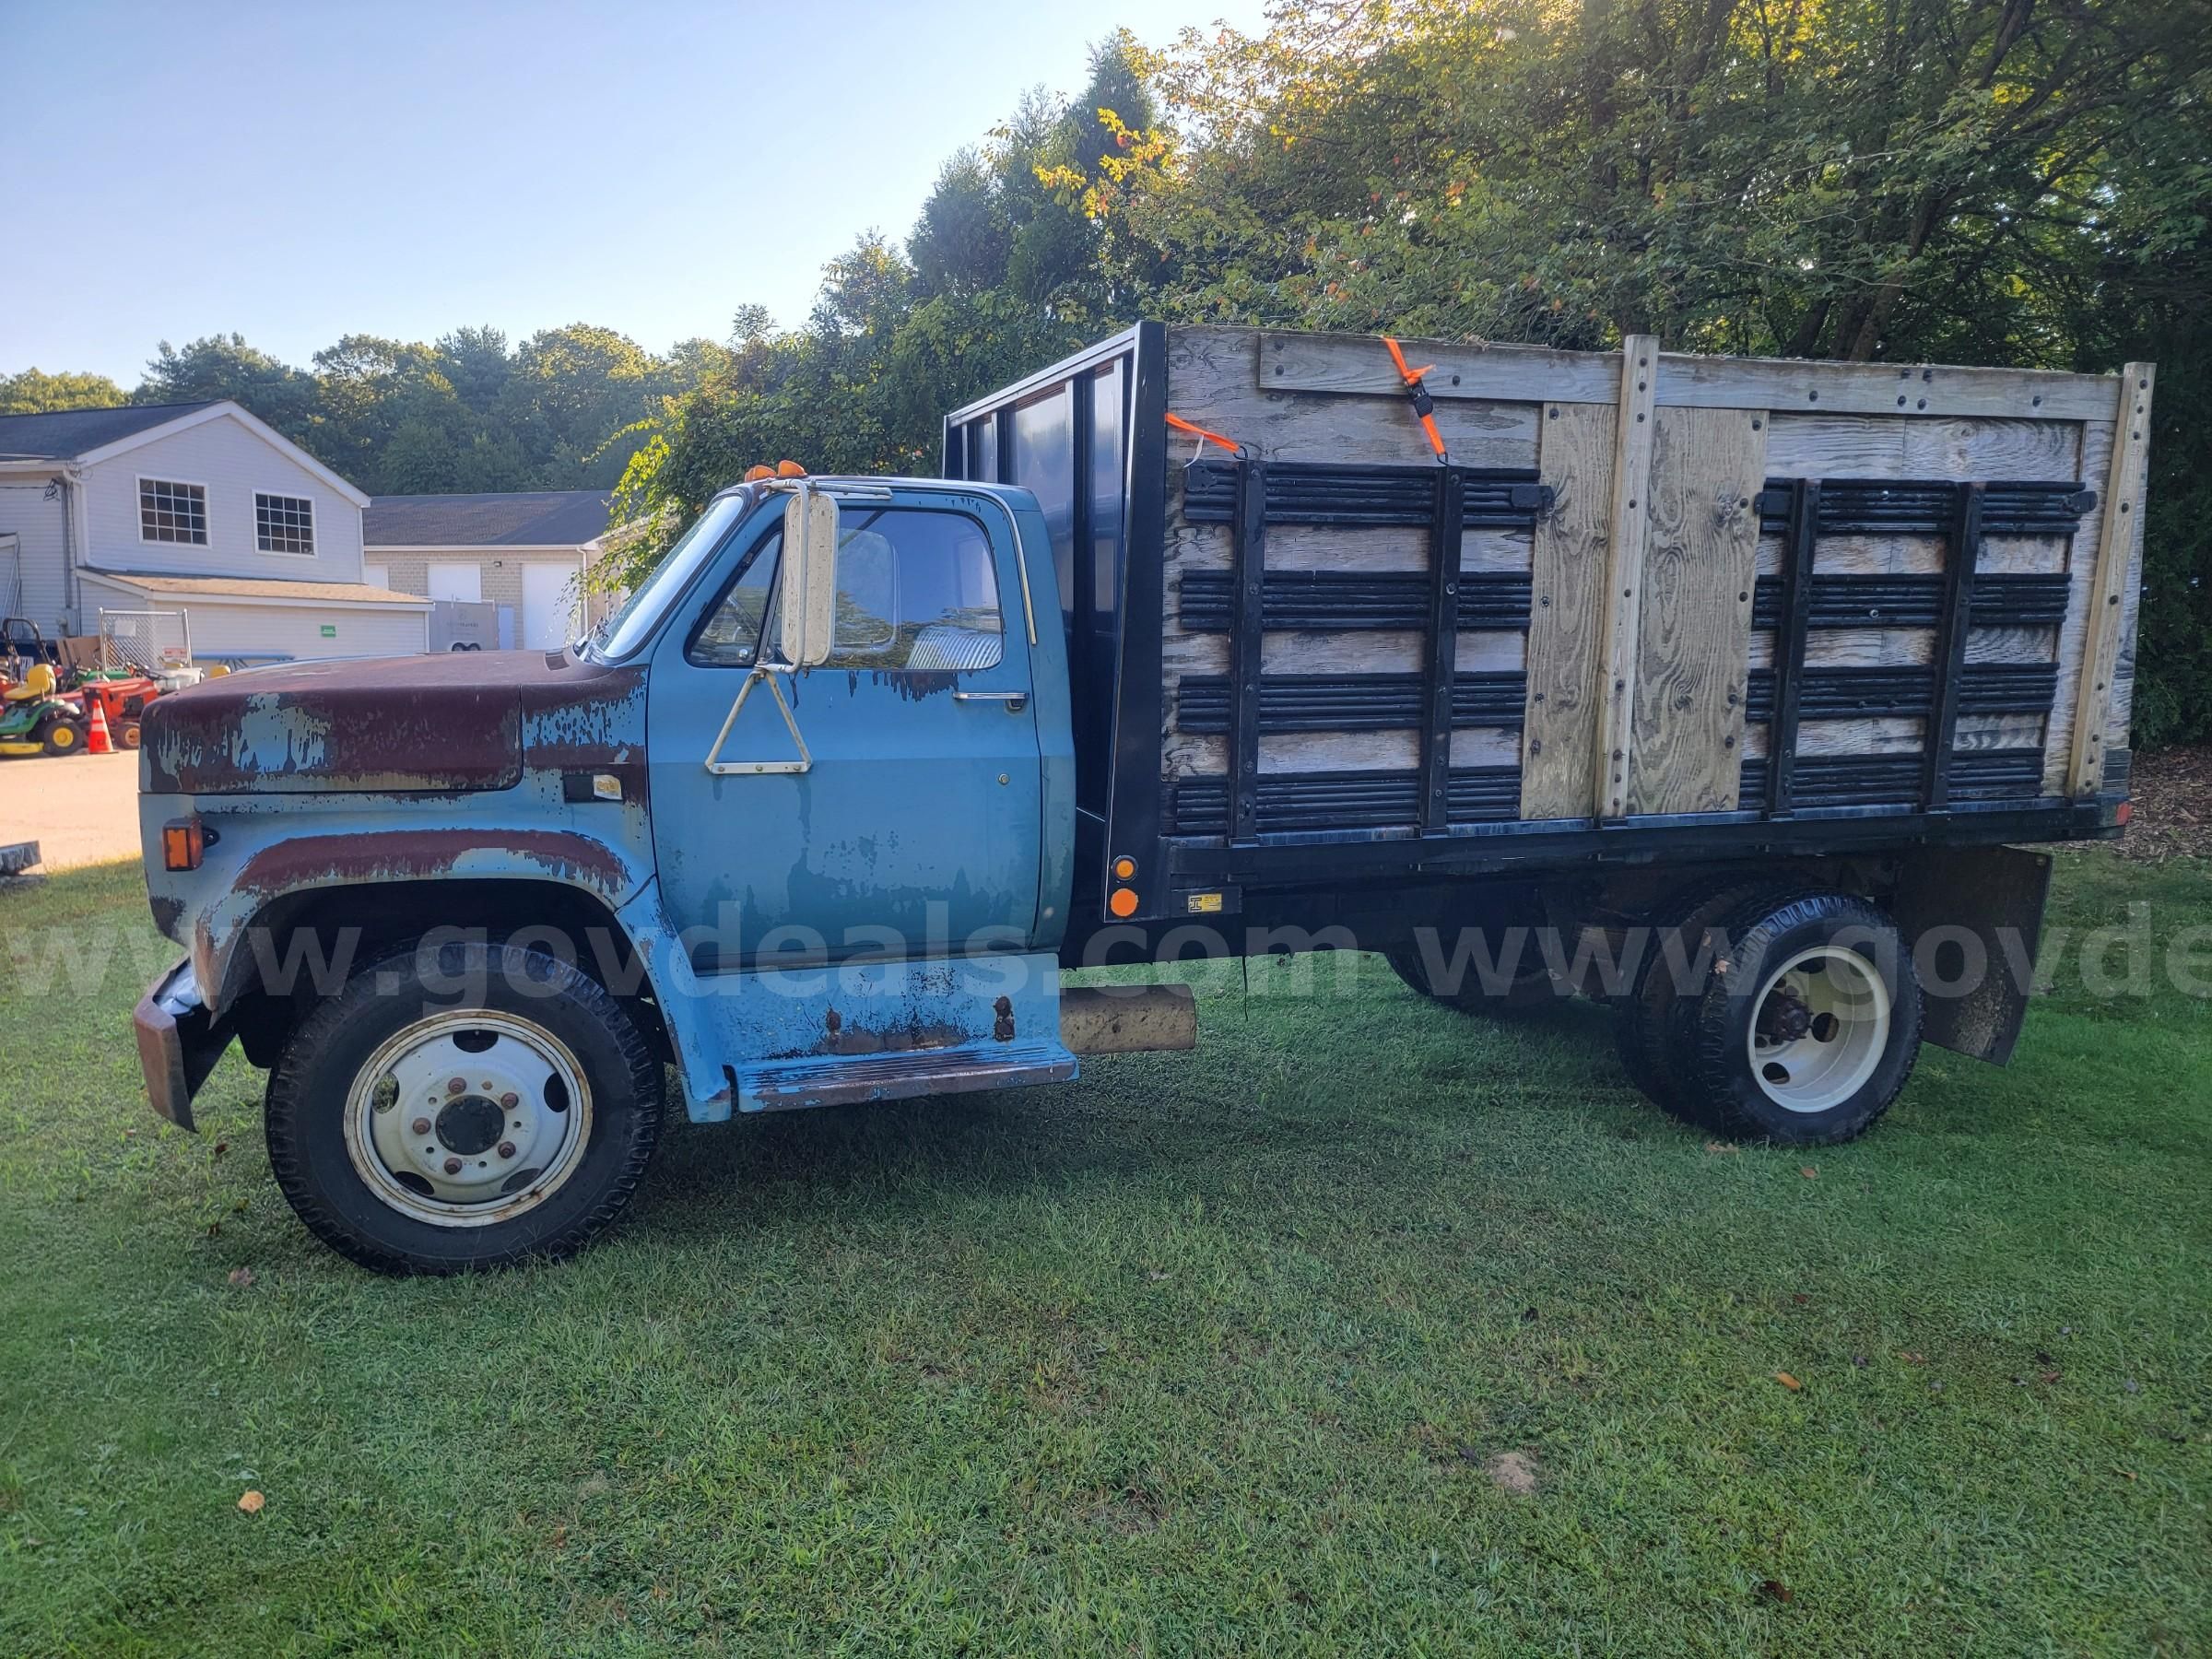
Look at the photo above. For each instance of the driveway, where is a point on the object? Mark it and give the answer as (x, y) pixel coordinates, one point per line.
(81, 809)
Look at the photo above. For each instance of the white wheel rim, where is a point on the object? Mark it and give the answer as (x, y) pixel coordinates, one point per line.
(1837, 994)
(468, 1118)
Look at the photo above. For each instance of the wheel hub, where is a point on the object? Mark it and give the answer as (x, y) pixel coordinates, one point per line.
(470, 1124)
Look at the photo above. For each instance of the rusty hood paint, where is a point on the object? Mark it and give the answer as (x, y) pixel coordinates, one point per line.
(446, 722)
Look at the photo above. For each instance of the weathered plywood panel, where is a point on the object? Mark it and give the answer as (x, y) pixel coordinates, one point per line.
(1694, 636)
(1566, 608)
(2116, 556)
(1879, 446)
(1360, 365)
(1214, 379)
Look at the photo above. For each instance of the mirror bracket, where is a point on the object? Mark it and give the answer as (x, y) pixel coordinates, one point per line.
(724, 769)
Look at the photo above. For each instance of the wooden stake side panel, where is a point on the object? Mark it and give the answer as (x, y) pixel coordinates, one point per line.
(1694, 633)
(1559, 752)
(1643, 601)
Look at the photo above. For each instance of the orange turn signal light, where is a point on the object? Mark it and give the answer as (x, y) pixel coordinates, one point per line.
(1123, 902)
(753, 475)
(790, 469)
(183, 842)
(1124, 867)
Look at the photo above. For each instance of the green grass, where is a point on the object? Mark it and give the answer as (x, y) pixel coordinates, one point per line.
(1205, 1353)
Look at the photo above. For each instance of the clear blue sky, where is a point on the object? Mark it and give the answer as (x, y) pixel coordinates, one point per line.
(296, 171)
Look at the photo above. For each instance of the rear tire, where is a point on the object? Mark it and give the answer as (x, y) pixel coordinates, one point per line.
(1808, 1028)
(1647, 1028)
(534, 1155)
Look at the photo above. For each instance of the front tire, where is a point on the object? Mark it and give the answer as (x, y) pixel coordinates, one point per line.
(468, 1107)
(60, 736)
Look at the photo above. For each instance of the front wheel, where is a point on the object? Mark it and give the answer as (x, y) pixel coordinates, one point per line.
(62, 737)
(467, 1107)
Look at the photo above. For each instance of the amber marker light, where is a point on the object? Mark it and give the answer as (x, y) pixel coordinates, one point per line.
(1123, 902)
(182, 843)
(1124, 868)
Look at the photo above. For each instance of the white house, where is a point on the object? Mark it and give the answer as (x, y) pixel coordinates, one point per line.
(199, 508)
(524, 552)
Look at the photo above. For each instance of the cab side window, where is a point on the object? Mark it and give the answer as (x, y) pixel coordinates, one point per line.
(915, 590)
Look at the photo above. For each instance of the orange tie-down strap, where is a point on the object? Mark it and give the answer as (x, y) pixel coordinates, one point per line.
(1424, 406)
(1180, 425)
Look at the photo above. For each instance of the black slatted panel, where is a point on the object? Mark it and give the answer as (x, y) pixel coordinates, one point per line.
(1895, 780)
(1999, 601)
(1925, 506)
(1313, 600)
(1291, 802)
(1383, 702)
(1320, 493)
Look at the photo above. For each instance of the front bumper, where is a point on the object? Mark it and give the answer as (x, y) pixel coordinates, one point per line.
(179, 1042)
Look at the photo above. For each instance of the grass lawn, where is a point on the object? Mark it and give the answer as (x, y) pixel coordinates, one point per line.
(1208, 1352)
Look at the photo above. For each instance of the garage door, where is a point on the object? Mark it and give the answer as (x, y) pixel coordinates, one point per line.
(548, 605)
(463, 582)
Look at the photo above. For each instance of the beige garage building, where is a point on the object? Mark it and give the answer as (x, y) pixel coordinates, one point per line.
(523, 553)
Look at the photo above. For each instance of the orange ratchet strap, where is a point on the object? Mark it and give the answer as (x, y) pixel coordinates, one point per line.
(1424, 406)
(1180, 425)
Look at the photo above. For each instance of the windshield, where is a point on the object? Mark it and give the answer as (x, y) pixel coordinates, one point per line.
(624, 630)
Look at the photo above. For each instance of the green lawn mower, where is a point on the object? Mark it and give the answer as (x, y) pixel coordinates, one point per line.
(33, 721)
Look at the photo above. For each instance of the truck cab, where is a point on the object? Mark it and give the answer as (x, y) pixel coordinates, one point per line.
(797, 818)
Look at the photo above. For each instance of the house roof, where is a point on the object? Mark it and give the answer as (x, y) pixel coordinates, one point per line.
(250, 587)
(64, 434)
(531, 518)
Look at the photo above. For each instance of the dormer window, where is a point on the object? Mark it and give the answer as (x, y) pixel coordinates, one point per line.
(284, 523)
(172, 513)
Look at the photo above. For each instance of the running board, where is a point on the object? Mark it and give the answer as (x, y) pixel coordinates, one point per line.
(789, 1084)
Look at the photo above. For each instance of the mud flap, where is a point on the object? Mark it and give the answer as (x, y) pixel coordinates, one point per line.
(1974, 918)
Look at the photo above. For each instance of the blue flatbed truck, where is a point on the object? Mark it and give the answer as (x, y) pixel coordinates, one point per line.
(1721, 688)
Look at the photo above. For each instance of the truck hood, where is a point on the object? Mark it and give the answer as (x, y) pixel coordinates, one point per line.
(456, 722)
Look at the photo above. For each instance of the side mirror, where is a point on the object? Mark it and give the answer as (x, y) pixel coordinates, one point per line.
(808, 605)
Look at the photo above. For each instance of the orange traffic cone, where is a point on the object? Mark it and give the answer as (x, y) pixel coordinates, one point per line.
(100, 744)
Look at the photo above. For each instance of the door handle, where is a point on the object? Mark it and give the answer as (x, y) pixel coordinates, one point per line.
(1015, 701)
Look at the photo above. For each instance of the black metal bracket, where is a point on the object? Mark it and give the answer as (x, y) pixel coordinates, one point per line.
(1790, 644)
(1447, 526)
(1248, 568)
(1959, 558)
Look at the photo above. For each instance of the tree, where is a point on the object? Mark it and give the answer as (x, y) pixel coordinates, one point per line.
(223, 366)
(33, 392)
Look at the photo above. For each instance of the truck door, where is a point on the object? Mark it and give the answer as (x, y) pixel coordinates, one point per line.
(916, 822)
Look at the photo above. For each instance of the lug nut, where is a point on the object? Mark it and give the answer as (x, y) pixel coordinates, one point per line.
(506, 1148)
(455, 1084)
(511, 1101)
(420, 1126)
(452, 1166)
(488, 1085)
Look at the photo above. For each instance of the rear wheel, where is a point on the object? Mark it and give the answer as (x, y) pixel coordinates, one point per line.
(1812, 1030)
(1647, 1025)
(417, 1131)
